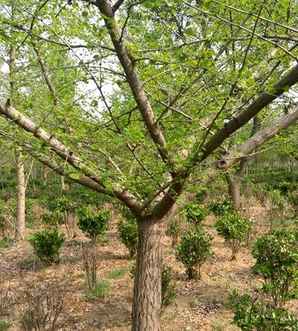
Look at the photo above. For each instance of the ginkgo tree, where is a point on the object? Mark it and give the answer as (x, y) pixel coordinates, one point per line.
(162, 90)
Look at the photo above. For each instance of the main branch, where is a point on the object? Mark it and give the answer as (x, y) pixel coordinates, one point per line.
(134, 81)
(68, 156)
(241, 151)
(263, 100)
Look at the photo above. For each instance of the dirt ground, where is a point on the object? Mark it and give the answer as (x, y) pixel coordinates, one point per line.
(200, 305)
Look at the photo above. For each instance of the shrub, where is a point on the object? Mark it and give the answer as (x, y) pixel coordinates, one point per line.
(201, 194)
(195, 214)
(43, 309)
(254, 314)
(128, 232)
(234, 229)
(47, 244)
(173, 231)
(168, 290)
(92, 223)
(220, 208)
(193, 250)
(276, 257)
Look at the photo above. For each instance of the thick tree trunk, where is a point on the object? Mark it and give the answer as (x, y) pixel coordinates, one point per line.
(147, 286)
(21, 198)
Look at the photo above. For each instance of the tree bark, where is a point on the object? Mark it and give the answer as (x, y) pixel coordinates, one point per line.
(21, 198)
(147, 284)
(234, 183)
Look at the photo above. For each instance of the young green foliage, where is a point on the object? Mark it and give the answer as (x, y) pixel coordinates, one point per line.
(93, 223)
(128, 232)
(220, 208)
(195, 213)
(193, 250)
(234, 229)
(254, 314)
(47, 244)
(276, 257)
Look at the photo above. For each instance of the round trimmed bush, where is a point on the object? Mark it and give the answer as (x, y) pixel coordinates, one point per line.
(234, 229)
(276, 257)
(193, 251)
(47, 244)
(92, 223)
(220, 208)
(195, 214)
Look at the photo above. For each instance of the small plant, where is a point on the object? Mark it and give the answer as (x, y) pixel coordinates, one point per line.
(234, 229)
(101, 290)
(128, 232)
(220, 208)
(42, 309)
(195, 214)
(255, 314)
(47, 244)
(276, 257)
(173, 231)
(117, 273)
(168, 290)
(93, 224)
(90, 266)
(193, 251)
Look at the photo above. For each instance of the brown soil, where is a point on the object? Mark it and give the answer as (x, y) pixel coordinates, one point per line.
(200, 305)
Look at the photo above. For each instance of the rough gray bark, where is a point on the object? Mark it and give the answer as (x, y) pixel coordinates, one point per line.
(147, 284)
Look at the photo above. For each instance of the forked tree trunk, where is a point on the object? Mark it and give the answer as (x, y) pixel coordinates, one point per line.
(21, 198)
(147, 284)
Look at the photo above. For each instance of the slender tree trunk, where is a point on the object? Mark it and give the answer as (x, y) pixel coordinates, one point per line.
(234, 190)
(21, 180)
(45, 173)
(21, 198)
(147, 285)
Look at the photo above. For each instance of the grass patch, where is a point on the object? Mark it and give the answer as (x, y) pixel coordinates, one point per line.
(4, 325)
(117, 273)
(101, 290)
